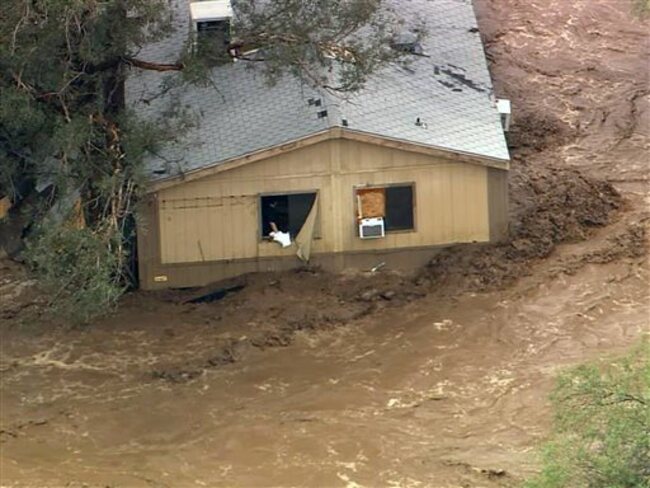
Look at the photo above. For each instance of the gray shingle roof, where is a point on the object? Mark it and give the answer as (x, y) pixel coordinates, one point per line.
(449, 90)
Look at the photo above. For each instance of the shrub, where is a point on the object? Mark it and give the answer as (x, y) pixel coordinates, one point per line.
(601, 437)
(80, 268)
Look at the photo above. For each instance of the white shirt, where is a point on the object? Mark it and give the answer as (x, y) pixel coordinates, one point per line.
(281, 237)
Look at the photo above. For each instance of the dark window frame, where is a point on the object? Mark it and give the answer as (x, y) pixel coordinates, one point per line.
(410, 184)
(260, 217)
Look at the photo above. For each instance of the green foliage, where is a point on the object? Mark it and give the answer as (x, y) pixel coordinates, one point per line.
(79, 268)
(63, 64)
(602, 426)
(334, 44)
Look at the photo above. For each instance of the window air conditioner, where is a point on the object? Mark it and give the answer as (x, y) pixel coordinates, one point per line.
(371, 228)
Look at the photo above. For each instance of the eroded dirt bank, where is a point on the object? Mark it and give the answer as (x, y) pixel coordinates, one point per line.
(307, 379)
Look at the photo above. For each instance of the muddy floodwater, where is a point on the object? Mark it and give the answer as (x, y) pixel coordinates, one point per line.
(311, 380)
(433, 394)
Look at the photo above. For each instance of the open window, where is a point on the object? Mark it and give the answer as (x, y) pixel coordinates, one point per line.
(391, 205)
(288, 212)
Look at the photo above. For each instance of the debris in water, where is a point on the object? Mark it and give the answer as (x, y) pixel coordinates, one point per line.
(213, 296)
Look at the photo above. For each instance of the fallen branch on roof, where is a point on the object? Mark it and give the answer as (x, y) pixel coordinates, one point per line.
(139, 63)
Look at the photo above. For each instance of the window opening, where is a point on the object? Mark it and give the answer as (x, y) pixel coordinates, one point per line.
(287, 212)
(393, 203)
(399, 208)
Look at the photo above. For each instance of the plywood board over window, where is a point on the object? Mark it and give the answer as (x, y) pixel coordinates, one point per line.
(371, 202)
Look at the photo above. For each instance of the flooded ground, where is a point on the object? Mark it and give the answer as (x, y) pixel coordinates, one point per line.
(307, 379)
(437, 393)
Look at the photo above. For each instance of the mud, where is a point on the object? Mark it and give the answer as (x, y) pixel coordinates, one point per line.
(269, 310)
(373, 379)
(438, 392)
(550, 205)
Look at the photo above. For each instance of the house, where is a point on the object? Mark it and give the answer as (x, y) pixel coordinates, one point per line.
(415, 161)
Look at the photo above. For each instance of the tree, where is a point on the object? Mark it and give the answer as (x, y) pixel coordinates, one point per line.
(63, 122)
(602, 427)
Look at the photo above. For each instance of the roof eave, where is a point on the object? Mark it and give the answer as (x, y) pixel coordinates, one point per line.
(315, 138)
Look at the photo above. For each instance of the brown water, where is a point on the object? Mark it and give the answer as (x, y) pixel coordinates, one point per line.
(446, 391)
(433, 394)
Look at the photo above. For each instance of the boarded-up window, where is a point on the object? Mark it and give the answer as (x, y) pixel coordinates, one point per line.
(372, 202)
(288, 212)
(394, 203)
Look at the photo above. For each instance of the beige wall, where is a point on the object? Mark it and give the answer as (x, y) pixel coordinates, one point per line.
(208, 229)
(217, 217)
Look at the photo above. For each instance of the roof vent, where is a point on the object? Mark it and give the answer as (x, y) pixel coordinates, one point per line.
(322, 114)
(314, 101)
(207, 12)
(408, 42)
(503, 106)
(210, 24)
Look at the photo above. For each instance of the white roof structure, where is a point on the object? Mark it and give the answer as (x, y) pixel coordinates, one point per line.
(503, 106)
(210, 10)
(448, 90)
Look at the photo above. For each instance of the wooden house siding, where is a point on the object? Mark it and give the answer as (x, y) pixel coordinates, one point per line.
(187, 230)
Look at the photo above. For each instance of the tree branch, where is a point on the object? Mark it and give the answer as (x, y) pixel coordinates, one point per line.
(148, 65)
